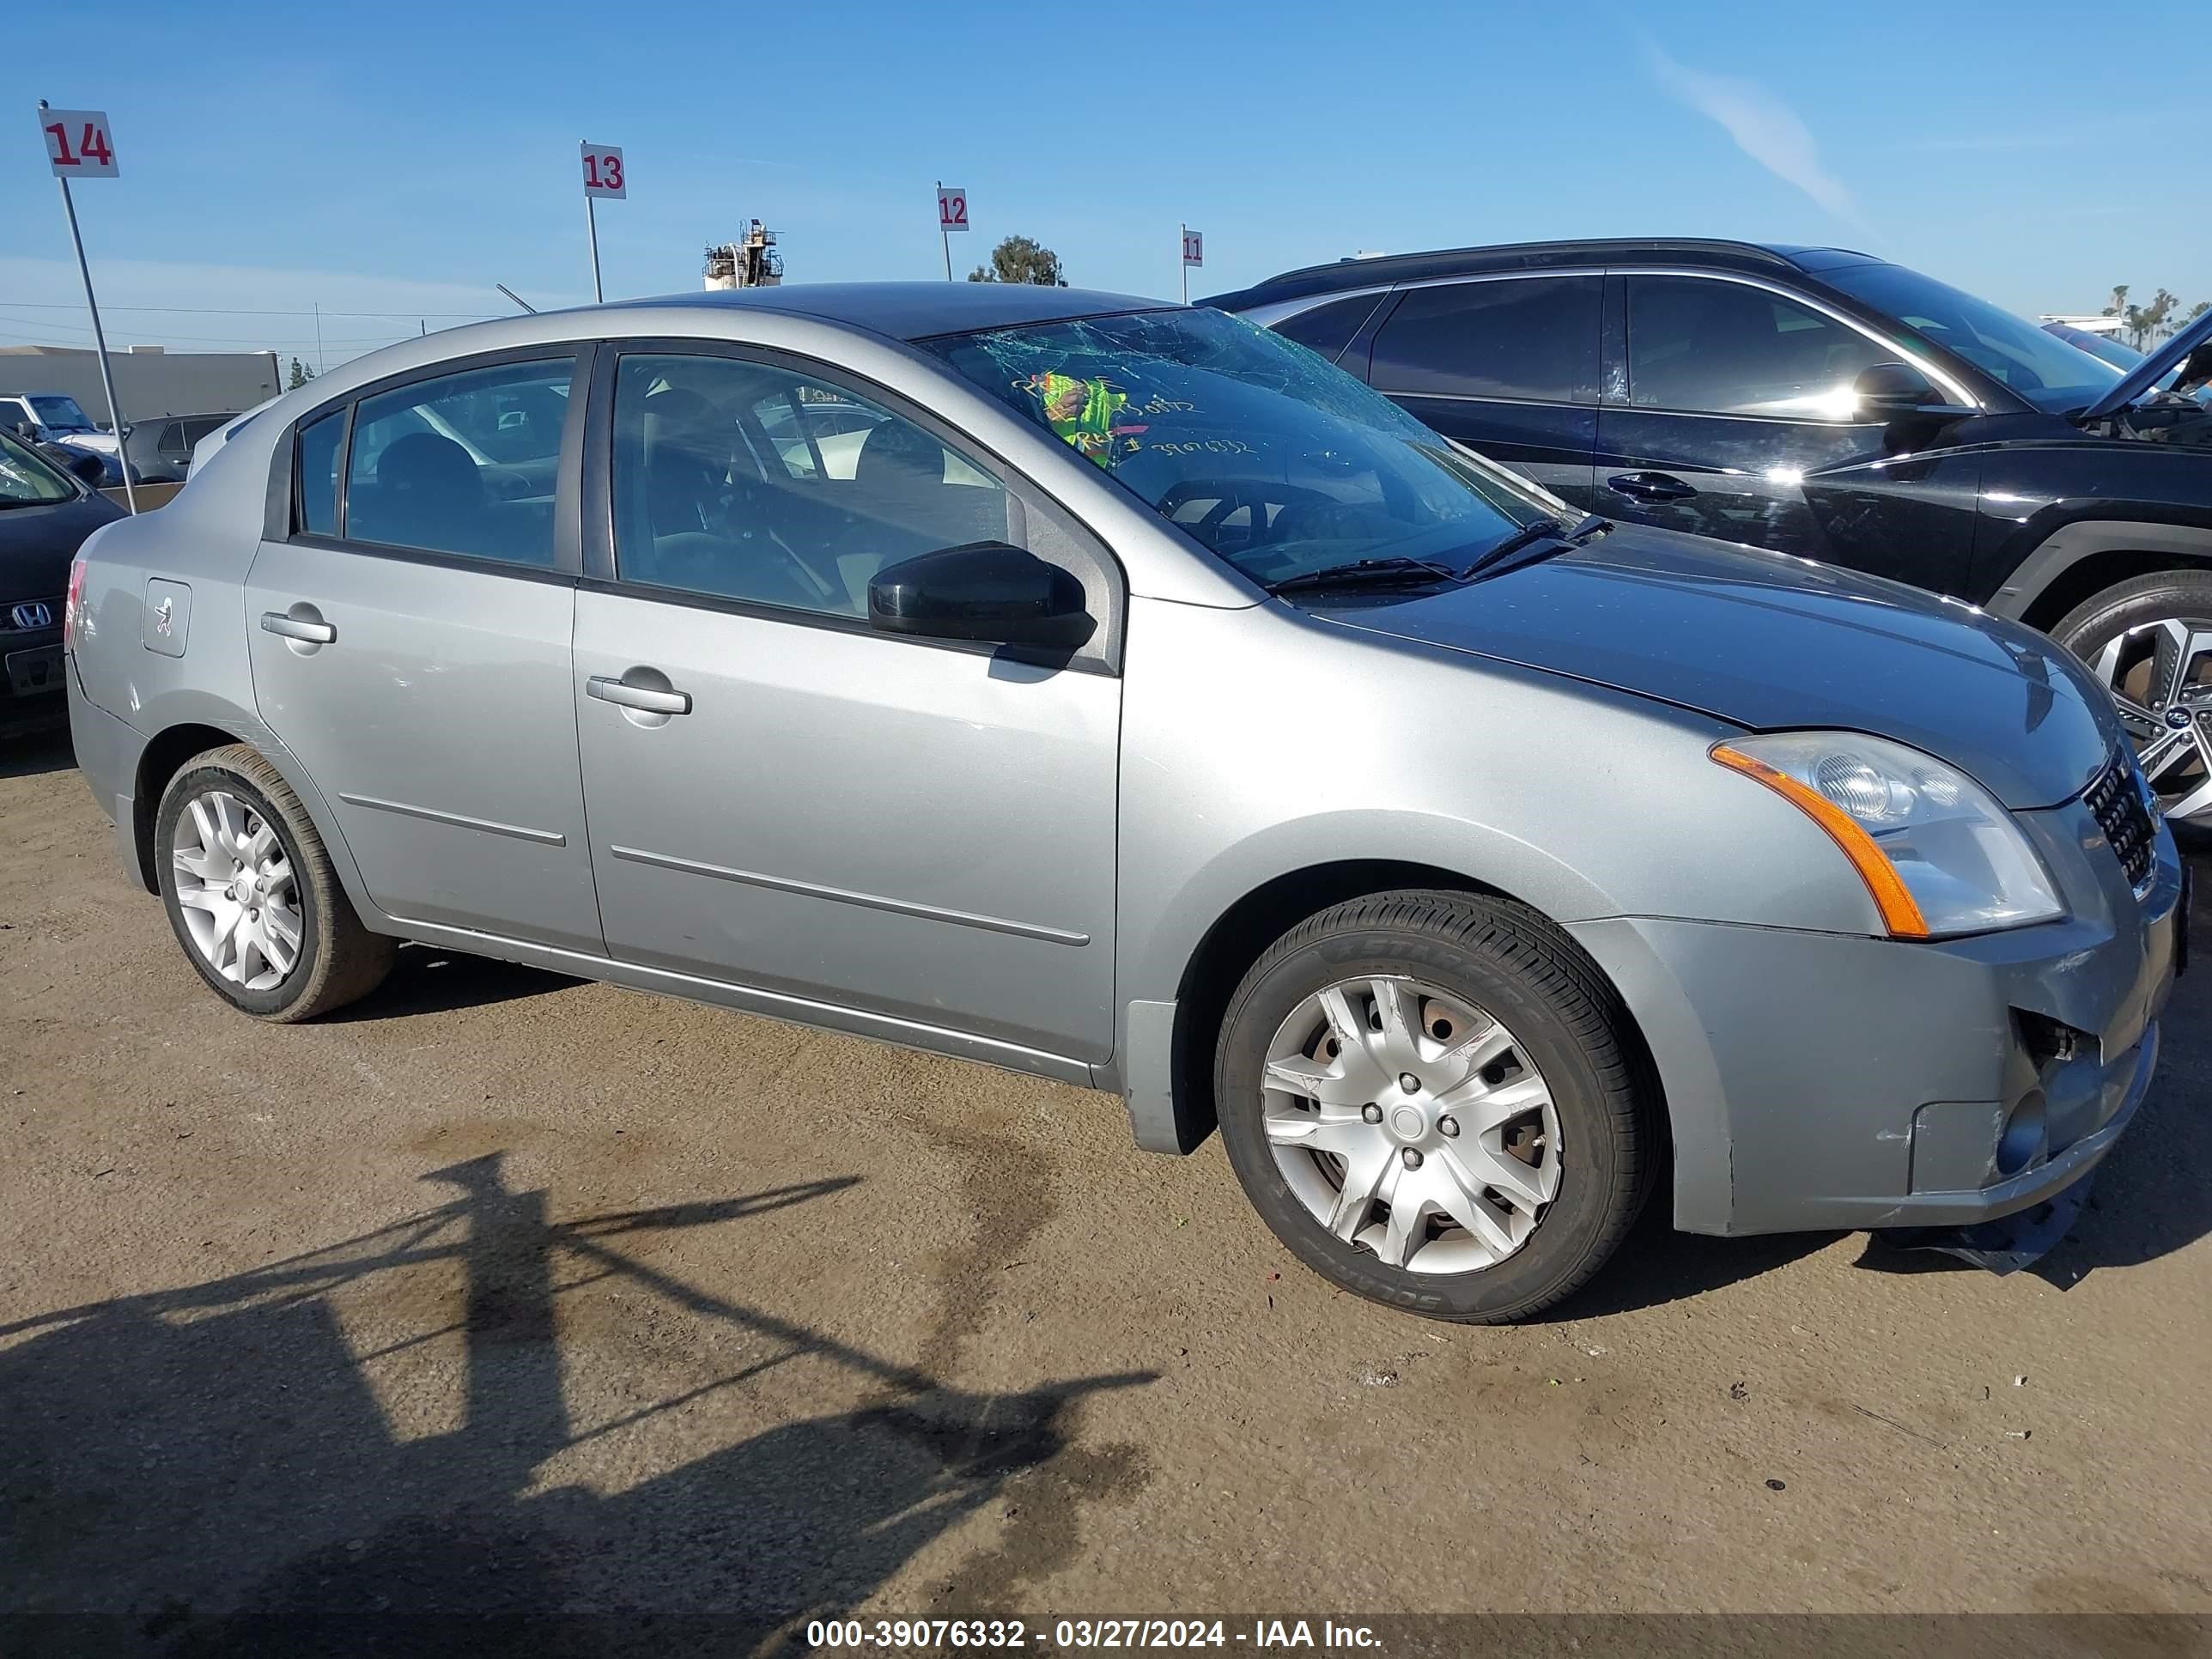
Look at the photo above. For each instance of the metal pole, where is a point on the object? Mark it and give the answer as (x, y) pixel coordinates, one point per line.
(322, 363)
(592, 228)
(100, 341)
(944, 236)
(1183, 247)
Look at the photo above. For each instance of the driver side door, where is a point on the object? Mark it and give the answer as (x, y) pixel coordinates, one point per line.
(908, 838)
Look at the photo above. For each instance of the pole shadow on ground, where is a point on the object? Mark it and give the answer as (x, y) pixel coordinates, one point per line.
(205, 1472)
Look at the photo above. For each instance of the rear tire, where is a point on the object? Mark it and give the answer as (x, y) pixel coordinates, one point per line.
(250, 894)
(2150, 641)
(1502, 1179)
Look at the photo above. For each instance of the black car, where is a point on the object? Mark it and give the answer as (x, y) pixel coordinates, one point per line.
(1826, 403)
(45, 516)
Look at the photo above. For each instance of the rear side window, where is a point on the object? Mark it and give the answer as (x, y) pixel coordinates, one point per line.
(464, 464)
(317, 512)
(1328, 329)
(1720, 348)
(1530, 338)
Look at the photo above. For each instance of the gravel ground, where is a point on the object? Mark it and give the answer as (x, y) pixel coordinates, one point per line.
(510, 1293)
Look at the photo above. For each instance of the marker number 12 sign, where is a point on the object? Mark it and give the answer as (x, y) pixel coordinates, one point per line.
(952, 209)
(78, 145)
(603, 172)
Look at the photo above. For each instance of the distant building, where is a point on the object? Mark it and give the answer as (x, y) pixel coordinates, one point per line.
(149, 381)
(751, 261)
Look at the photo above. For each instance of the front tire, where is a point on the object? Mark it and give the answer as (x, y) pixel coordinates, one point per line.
(1430, 1097)
(2150, 641)
(251, 895)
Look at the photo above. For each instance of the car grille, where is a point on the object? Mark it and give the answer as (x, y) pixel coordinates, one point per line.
(2117, 801)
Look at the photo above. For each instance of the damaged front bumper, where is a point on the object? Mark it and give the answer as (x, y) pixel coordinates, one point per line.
(1817, 1081)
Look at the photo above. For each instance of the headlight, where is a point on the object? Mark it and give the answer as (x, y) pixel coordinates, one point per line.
(1937, 851)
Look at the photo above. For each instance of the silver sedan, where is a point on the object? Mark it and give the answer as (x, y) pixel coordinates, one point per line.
(1118, 693)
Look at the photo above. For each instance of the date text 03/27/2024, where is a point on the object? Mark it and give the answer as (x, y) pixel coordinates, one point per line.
(1261, 1635)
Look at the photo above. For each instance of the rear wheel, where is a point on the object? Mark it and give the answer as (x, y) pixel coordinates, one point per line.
(252, 896)
(1428, 1096)
(2150, 641)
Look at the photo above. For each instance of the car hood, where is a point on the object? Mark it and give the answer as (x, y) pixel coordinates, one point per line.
(2135, 383)
(37, 542)
(1772, 642)
(101, 443)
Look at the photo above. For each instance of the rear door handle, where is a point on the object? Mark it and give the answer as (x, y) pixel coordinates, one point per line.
(313, 633)
(607, 690)
(1651, 486)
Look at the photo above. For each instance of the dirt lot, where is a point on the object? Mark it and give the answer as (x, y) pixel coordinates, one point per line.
(512, 1293)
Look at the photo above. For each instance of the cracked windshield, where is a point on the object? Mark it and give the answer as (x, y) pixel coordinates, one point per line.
(1278, 462)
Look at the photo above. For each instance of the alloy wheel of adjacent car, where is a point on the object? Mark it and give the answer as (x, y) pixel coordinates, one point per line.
(1432, 1098)
(2150, 641)
(250, 894)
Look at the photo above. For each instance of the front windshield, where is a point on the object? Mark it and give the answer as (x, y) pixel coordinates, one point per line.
(1277, 461)
(26, 480)
(59, 414)
(2041, 367)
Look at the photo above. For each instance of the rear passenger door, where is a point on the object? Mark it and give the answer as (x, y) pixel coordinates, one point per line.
(783, 798)
(1507, 366)
(409, 627)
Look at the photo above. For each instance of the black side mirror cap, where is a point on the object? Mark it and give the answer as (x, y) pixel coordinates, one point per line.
(1899, 391)
(986, 592)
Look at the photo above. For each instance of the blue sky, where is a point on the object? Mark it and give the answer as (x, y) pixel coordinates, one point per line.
(401, 158)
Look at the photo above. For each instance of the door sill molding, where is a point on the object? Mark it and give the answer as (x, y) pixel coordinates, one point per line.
(746, 998)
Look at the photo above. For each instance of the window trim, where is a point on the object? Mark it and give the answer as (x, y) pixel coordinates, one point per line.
(601, 575)
(1380, 326)
(286, 491)
(1937, 374)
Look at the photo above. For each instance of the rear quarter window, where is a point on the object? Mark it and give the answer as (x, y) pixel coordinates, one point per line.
(316, 494)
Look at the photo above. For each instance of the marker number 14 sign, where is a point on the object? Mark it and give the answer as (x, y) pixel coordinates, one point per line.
(603, 172)
(78, 144)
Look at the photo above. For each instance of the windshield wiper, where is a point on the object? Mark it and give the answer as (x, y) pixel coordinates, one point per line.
(1394, 572)
(1549, 534)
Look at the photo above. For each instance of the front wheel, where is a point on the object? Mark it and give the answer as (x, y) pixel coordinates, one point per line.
(1430, 1097)
(2150, 641)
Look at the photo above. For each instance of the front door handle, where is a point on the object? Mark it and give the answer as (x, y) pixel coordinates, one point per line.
(608, 689)
(1651, 486)
(293, 628)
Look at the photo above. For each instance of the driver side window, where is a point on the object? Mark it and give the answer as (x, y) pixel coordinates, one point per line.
(748, 481)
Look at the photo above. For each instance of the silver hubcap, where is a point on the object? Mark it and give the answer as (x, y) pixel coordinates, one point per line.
(1410, 1123)
(2160, 674)
(236, 889)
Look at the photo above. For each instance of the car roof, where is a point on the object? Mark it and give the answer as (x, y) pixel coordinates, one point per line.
(1387, 268)
(915, 310)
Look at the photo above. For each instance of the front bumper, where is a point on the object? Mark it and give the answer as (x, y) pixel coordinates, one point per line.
(1815, 1080)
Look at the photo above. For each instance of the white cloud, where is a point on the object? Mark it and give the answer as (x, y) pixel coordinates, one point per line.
(1764, 127)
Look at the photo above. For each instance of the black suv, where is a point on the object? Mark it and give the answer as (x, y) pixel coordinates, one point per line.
(1826, 403)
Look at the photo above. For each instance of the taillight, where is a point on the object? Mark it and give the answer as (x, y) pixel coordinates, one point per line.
(70, 606)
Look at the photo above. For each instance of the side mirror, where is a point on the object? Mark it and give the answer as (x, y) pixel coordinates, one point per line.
(1897, 392)
(27, 431)
(92, 468)
(984, 591)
